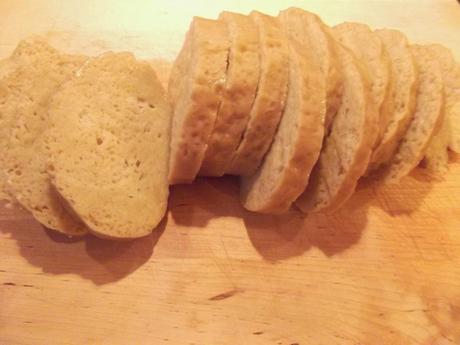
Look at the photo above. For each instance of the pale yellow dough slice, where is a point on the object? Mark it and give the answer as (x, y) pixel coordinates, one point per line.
(109, 144)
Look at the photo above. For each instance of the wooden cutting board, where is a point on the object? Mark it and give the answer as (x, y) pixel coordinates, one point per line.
(383, 270)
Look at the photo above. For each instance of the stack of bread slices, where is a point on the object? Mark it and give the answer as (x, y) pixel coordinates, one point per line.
(298, 110)
(85, 141)
(302, 111)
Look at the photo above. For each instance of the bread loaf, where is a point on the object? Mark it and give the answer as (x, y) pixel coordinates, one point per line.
(26, 92)
(195, 89)
(109, 144)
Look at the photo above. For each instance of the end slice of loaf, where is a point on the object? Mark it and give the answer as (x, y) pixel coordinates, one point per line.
(238, 95)
(195, 89)
(369, 50)
(426, 120)
(39, 72)
(402, 93)
(109, 146)
(346, 150)
(285, 170)
(269, 102)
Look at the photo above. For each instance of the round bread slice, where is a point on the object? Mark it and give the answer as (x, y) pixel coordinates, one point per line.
(39, 73)
(426, 120)
(195, 90)
(346, 150)
(269, 102)
(436, 156)
(109, 145)
(325, 50)
(238, 96)
(368, 48)
(285, 170)
(402, 92)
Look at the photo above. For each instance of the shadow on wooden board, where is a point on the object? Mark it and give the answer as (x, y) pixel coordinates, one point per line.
(280, 237)
(275, 238)
(98, 260)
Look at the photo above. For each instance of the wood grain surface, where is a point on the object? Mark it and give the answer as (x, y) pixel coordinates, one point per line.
(383, 270)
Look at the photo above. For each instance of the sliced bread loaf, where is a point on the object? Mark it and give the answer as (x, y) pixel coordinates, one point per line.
(285, 170)
(436, 156)
(238, 95)
(426, 120)
(368, 48)
(25, 95)
(195, 90)
(346, 150)
(402, 93)
(109, 145)
(269, 102)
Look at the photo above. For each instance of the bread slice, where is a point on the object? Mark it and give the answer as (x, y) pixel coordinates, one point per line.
(268, 105)
(285, 170)
(402, 92)
(368, 48)
(238, 96)
(325, 51)
(346, 151)
(195, 89)
(426, 120)
(436, 156)
(27, 89)
(109, 145)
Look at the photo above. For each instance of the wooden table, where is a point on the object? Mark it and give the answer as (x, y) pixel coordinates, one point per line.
(384, 270)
